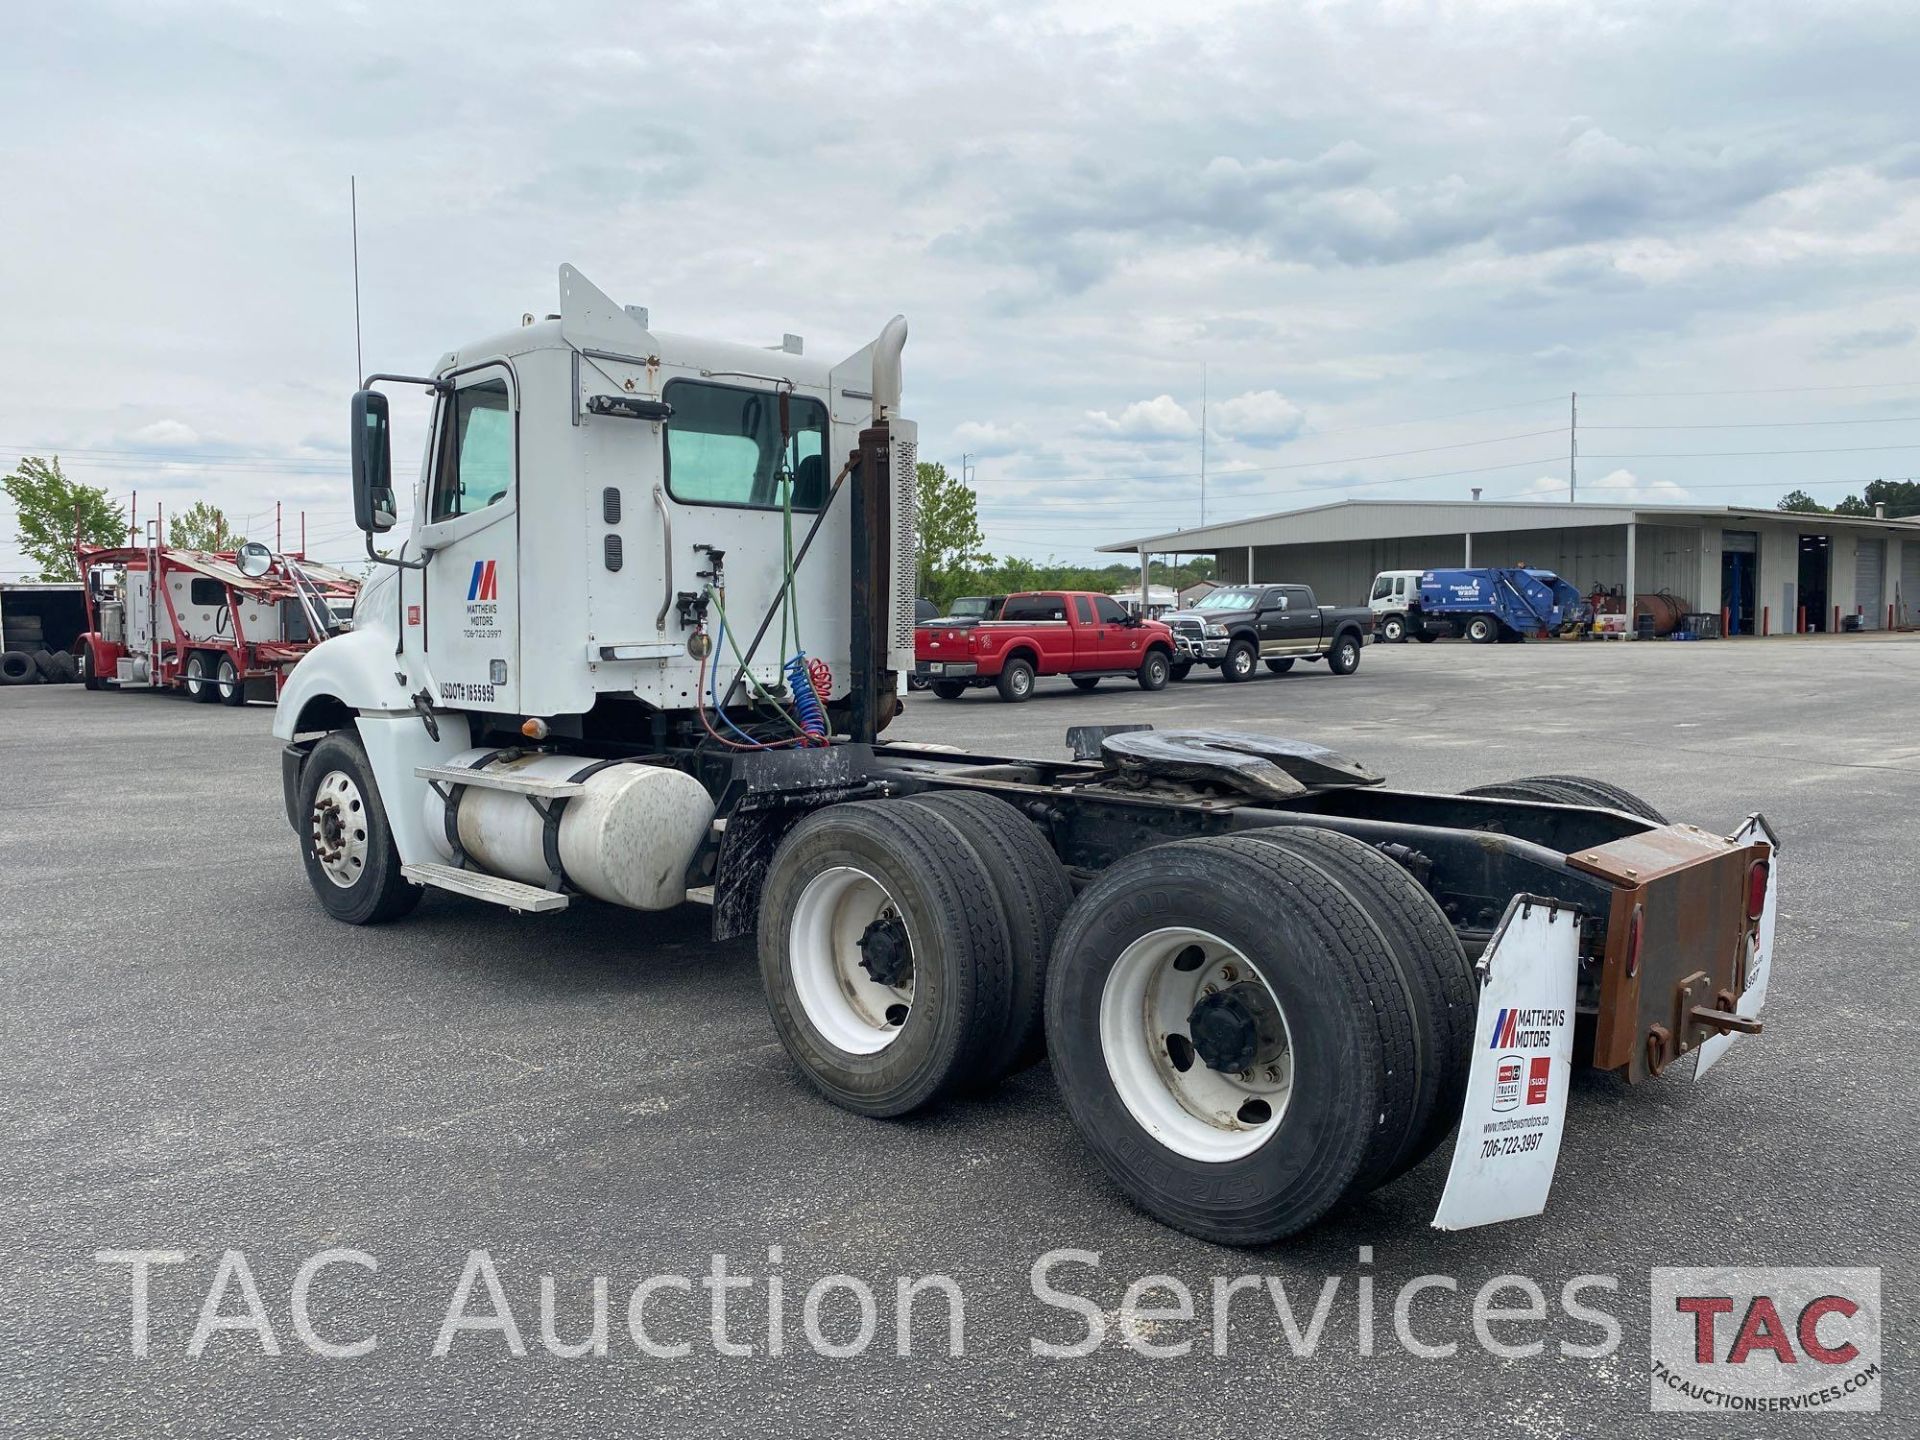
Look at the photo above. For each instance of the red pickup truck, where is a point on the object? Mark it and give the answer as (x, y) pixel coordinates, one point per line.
(1043, 632)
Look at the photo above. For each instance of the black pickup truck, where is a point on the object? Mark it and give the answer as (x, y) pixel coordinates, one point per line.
(1232, 628)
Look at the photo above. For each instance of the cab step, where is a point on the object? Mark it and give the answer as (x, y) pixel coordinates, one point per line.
(514, 781)
(494, 889)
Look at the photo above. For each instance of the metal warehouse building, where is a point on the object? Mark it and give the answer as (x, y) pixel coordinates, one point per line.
(1761, 566)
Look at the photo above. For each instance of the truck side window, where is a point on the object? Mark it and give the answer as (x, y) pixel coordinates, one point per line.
(476, 454)
(1382, 588)
(1035, 607)
(1083, 609)
(723, 447)
(1274, 600)
(1110, 610)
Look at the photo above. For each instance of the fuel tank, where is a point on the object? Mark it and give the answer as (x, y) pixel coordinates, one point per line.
(626, 838)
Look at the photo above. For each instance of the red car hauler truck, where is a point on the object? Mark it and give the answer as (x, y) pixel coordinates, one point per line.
(1044, 632)
(227, 625)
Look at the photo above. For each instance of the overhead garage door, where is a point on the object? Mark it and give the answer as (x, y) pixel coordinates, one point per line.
(1869, 568)
(1910, 581)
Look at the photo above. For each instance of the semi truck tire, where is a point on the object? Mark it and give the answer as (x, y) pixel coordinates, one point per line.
(198, 675)
(1433, 969)
(1154, 670)
(1180, 670)
(345, 840)
(884, 956)
(1016, 681)
(87, 676)
(1238, 664)
(1393, 630)
(1085, 682)
(1034, 894)
(1570, 790)
(1483, 630)
(232, 689)
(1185, 961)
(45, 666)
(17, 668)
(1280, 667)
(949, 689)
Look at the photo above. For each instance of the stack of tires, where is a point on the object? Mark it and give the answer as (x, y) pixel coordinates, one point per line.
(25, 659)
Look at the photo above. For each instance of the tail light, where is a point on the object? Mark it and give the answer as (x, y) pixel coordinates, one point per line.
(1636, 927)
(1757, 878)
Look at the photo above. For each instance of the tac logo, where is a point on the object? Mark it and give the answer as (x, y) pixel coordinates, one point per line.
(1766, 1341)
(485, 584)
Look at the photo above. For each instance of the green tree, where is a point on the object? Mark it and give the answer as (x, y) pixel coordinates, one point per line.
(1901, 497)
(51, 510)
(1799, 500)
(203, 527)
(949, 535)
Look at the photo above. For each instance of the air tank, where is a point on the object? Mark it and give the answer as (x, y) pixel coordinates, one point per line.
(626, 838)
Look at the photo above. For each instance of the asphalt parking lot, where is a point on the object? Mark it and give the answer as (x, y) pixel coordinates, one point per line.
(197, 1061)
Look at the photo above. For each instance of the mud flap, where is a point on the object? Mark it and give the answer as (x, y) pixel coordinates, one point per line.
(1516, 1107)
(1760, 958)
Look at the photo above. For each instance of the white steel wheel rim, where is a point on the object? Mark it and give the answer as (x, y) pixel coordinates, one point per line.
(1199, 1113)
(229, 677)
(851, 1010)
(196, 673)
(338, 828)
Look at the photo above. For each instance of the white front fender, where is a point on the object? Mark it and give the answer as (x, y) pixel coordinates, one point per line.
(358, 669)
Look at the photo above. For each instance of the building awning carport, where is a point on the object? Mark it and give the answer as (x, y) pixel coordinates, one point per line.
(1443, 532)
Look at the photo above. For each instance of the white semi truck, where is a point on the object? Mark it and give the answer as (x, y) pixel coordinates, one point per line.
(640, 647)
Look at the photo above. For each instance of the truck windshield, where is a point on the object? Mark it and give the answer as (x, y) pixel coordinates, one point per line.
(1228, 599)
(723, 447)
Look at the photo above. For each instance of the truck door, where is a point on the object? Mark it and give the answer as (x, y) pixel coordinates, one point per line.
(1089, 638)
(1120, 639)
(1296, 626)
(469, 621)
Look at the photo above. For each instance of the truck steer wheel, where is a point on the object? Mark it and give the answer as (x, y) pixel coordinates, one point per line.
(1344, 658)
(1231, 1037)
(1393, 629)
(1181, 670)
(1280, 667)
(1238, 664)
(345, 841)
(1016, 681)
(884, 955)
(1154, 670)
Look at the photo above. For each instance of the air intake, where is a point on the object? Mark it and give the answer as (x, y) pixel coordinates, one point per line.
(904, 450)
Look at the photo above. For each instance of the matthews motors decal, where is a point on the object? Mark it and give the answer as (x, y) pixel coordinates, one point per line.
(483, 602)
(1516, 1105)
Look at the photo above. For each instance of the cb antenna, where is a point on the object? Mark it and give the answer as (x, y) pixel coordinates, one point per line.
(353, 207)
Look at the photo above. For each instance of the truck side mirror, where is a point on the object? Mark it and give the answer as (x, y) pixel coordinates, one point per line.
(374, 508)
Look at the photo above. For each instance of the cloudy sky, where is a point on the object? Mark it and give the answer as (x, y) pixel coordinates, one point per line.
(1387, 239)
